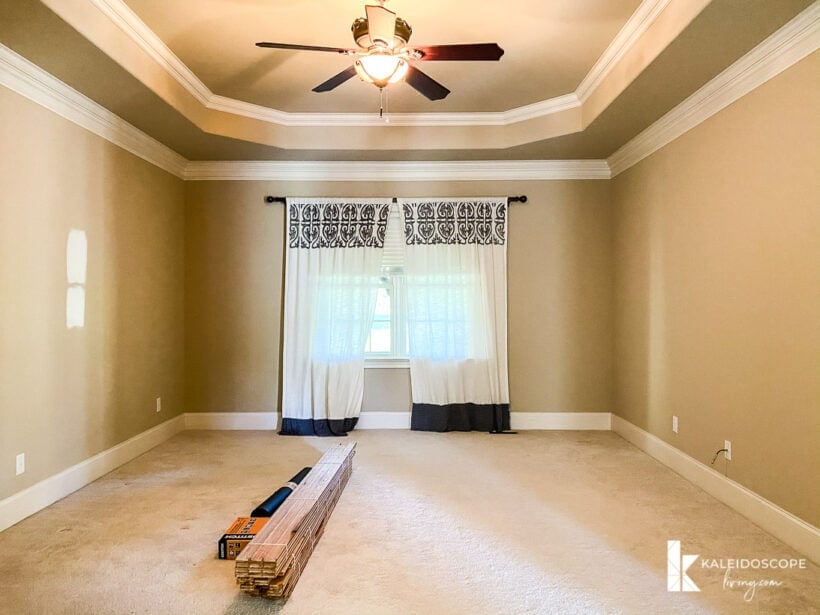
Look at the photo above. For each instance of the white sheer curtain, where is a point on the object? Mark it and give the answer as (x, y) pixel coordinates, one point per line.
(456, 290)
(332, 271)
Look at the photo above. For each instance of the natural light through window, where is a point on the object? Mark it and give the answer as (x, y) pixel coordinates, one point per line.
(388, 334)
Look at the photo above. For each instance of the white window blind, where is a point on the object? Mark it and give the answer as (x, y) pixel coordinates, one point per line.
(393, 258)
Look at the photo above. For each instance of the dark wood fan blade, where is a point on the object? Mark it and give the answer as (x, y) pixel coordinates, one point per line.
(303, 47)
(425, 84)
(336, 80)
(475, 51)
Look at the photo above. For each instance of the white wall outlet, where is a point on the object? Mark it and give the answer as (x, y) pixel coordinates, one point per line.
(159, 404)
(727, 444)
(674, 423)
(20, 463)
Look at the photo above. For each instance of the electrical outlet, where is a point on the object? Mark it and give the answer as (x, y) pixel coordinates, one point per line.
(674, 423)
(21, 463)
(159, 404)
(727, 444)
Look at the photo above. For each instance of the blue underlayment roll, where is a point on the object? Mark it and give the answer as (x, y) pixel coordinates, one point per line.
(269, 506)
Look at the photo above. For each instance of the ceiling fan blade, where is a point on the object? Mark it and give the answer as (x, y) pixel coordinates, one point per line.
(474, 51)
(336, 80)
(425, 84)
(303, 47)
(381, 24)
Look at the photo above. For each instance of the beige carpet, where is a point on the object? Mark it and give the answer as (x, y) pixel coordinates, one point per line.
(541, 522)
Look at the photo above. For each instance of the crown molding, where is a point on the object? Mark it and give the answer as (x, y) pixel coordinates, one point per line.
(640, 21)
(790, 44)
(355, 171)
(32, 82)
(130, 23)
(501, 118)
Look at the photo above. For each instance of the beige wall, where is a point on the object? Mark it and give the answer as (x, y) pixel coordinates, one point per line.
(560, 319)
(718, 290)
(66, 395)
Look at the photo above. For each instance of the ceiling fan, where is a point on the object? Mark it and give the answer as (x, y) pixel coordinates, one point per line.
(385, 57)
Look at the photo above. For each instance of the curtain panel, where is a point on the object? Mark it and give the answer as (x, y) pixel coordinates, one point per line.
(333, 263)
(456, 293)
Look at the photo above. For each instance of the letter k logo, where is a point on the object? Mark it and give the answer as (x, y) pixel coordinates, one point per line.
(676, 567)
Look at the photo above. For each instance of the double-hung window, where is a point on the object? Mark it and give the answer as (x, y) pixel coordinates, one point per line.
(387, 344)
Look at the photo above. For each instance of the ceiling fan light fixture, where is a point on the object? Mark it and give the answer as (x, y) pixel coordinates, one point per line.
(361, 34)
(381, 69)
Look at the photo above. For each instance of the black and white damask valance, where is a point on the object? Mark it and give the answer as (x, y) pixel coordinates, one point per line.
(481, 221)
(337, 223)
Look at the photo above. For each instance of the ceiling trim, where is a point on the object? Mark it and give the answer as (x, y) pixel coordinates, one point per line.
(39, 86)
(640, 21)
(500, 118)
(356, 171)
(793, 42)
(790, 44)
(128, 21)
(34, 83)
(131, 24)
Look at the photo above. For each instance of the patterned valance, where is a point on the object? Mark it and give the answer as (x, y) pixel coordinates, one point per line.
(337, 223)
(481, 221)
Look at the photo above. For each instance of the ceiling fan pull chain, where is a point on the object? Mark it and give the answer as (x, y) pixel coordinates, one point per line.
(386, 94)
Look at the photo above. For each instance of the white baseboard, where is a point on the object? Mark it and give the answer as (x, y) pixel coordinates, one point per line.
(384, 420)
(17, 507)
(793, 531)
(399, 420)
(560, 420)
(231, 420)
(781, 524)
(518, 420)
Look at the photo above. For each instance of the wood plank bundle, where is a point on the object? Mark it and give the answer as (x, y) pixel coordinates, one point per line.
(271, 563)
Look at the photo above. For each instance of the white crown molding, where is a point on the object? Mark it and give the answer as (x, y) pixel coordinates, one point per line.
(355, 171)
(32, 82)
(640, 21)
(783, 49)
(128, 21)
(501, 118)
(795, 532)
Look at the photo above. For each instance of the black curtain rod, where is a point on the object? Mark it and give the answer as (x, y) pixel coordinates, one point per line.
(511, 199)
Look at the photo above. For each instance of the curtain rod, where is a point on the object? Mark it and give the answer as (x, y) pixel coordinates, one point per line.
(511, 199)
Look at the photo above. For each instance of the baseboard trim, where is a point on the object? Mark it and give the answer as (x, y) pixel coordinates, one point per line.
(399, 420)
(231, 420)
(792, 530)
(24, 503)
(561, 420)
(781, 524)
(384, 420)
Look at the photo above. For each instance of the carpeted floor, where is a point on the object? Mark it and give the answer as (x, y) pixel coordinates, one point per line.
(540, 522)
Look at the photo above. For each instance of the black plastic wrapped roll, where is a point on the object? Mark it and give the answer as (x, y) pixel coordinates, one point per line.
(269, 506)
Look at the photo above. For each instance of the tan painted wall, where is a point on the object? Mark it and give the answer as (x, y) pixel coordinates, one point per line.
(560, 294)
(718, 290)
(67, 394)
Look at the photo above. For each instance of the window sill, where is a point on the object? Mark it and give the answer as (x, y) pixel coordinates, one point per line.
(387, 363)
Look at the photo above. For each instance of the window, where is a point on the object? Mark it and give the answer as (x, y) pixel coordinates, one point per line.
(387, 343)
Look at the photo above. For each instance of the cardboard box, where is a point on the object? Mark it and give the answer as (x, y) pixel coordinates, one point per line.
(238, 535)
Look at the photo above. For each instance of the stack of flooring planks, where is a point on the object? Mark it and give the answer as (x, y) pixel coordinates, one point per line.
(271, 563)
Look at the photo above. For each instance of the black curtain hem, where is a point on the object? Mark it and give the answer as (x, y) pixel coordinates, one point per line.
(317, 427)
(460, 417)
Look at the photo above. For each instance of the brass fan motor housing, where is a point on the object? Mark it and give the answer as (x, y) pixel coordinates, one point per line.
(361, 33)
